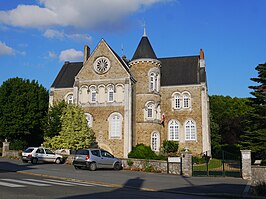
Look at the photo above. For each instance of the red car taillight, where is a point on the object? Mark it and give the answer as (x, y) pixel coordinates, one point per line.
(30, 155)
(87, 157)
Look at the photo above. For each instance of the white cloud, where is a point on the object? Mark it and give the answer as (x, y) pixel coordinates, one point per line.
(55, 34)
(50, 33)
(78, 13)
(5, 50)
(52, 54)
(71, 55)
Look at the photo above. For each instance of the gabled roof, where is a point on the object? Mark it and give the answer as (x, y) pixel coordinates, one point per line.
(144, 50)
(66, 76)
(181, 71)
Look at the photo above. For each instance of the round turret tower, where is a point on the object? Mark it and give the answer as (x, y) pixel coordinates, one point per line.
(145, 68)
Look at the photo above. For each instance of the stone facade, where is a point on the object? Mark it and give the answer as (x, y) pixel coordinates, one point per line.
(125, 101)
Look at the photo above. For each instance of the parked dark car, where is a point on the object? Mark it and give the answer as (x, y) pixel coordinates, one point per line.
(95, 159)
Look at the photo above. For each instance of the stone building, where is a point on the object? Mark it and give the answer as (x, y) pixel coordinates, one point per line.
(143, 100)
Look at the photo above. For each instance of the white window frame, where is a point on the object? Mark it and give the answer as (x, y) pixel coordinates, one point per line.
(190, 130)
(186, 100)
(93, 94)
(115, 126)
(149, 111)
(70, 99)
(173, 130)
(177, 101)
(155, 141)
(110, 94)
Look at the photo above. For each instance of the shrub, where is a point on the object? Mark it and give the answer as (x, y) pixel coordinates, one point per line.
(260, 189)
(170, 146)
(198, 160)
(130, 163)
(141, 151)
(17, 145)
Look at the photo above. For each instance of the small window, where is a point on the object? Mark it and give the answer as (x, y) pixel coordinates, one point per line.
(186, 101)
(177, 102)
(70, 99)
(89, 119)
(155, 141)
(110, 94)
(153, 82)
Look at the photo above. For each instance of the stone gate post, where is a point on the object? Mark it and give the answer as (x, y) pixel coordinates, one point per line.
(246, 164)
(5, 148)
(187, 164)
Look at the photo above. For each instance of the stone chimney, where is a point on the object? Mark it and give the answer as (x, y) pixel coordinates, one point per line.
(86, 53)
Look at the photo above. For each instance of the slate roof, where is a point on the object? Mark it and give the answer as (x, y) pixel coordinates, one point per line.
(66, 76)
(181, 71)
(144, 50)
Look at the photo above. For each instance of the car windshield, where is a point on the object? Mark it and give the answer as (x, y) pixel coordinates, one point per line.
(28, 150)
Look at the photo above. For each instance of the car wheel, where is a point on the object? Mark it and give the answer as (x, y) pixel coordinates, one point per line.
(117, 166)
(34, 161)
(58, 160)
(92, 166)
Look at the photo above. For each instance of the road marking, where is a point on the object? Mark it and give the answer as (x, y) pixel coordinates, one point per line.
(62, 183)
(71, 183)
(26, 182)
(10, 184)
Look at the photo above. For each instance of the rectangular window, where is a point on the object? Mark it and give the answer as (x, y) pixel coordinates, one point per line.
(149, 112)
(115, 127)
(111, 96)
(93, 96)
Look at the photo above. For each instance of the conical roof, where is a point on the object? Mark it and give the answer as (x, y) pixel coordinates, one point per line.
(144, 49)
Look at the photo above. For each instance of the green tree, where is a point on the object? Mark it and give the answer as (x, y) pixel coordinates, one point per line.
(23, 107)
(75, 133)
(255, 134)
(227, 120)
(53, 122)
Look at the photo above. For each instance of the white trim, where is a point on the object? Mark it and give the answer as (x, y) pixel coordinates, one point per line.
(120, 125)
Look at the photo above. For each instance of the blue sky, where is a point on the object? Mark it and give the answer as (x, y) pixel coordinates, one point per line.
(36, 37)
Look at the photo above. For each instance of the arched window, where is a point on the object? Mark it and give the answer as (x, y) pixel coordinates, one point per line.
(155, 141)
(93, 94)
(115, 126)
(173, 130)
(186, 100)
(177, 102)
(190, 130)
(89, 119)
(110, 94)
(70, 99)
(153, 80)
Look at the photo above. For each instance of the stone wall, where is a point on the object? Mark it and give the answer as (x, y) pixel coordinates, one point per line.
(159, 166)
(258, 174)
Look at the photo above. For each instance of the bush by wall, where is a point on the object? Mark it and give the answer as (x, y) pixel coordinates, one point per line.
(140, 151)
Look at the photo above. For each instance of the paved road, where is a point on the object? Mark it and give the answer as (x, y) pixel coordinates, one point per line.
(144, 182)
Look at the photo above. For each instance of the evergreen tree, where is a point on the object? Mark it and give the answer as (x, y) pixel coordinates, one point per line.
(23, 107)
(75, 133)
(255, 135)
